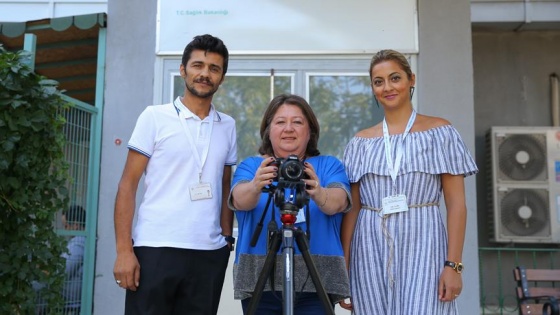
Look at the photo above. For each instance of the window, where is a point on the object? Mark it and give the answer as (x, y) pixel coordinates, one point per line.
(338, 90)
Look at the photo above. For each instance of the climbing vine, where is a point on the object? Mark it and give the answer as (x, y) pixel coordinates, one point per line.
(33, 177)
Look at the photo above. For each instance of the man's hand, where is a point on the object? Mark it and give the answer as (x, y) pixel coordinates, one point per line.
(127, 271)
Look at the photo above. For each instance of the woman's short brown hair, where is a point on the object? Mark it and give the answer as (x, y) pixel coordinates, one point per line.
(273, 106)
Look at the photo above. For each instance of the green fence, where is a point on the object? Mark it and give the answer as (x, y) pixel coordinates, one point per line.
(497, 287)
(82, 154)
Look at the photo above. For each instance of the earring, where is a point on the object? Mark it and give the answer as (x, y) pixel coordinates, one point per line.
(411, 91)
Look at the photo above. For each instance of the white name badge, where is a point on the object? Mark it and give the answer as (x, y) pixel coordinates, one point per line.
(394, 204)
(201, 191)
(300, 216)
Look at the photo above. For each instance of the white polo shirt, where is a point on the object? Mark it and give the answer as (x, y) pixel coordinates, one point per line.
(167, 217)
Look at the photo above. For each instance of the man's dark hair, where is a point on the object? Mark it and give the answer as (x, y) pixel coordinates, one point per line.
(208, 43)
(75, 215)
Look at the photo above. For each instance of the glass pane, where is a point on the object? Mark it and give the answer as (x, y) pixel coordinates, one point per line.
(178, 86)
(344, 105)
(245, 99)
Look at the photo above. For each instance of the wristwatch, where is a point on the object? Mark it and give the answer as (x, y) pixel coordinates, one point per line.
(230, 239)
(457, 266)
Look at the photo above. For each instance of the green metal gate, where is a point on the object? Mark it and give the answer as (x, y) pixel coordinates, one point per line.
(82, 152)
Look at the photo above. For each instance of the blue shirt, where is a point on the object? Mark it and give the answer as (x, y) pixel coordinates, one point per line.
(324, 244)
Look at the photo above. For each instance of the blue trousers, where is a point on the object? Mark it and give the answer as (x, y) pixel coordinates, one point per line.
(271, 304)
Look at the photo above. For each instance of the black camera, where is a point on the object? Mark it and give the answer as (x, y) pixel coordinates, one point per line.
(290, 169)
(290, 194)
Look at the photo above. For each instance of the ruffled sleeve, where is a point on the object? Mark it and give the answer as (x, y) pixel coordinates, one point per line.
(352, 159)
(445, 153)
(435, 151)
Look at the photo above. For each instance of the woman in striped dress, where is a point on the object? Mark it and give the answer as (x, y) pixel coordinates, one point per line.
(401, 258)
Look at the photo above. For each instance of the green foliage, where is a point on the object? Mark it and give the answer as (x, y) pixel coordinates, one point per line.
(343, 105)
(246, 99)
(33, 175)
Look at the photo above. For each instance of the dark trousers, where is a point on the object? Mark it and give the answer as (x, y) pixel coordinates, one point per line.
(176, 281)
(271, 304)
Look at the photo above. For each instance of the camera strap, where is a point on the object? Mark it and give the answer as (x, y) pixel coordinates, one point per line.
(271, 229)
(272, 225)
(307, 222)
(258, 228)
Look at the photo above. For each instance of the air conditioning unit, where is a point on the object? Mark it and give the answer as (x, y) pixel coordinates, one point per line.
(525, 197)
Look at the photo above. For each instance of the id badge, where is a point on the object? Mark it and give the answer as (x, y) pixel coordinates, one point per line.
(394, 204)
(300, 218)
(201, 191)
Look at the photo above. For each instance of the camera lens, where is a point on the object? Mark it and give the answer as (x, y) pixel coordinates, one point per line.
(292, 170)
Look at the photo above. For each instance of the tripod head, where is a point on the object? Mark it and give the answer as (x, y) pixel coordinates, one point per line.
(288, 215)
(290, 196)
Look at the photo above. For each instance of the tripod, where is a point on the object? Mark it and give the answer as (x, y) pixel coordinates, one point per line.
(286, 236)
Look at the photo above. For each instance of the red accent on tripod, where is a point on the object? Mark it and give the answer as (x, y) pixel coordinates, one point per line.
(288, 219)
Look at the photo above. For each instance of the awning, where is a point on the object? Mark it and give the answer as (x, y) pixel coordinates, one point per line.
(66, 50)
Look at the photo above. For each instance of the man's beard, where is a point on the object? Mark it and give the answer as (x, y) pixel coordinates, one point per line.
(193, 90)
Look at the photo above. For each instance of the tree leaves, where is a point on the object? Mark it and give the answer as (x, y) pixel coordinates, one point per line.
(342, 103)
(33, 175)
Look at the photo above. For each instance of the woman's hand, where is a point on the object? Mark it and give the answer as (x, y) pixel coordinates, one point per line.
(265, 174)
(313, 184)
(245, 195)
(330, 200)
(450, 285)
(346, 306)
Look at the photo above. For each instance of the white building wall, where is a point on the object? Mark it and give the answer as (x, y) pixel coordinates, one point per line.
(444, 78)
(130, 59)
(445, 88)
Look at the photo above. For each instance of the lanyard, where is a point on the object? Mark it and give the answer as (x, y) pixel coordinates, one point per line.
(394, 169)
(200, 159)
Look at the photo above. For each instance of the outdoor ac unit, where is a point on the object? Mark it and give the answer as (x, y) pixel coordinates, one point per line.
(525, 198)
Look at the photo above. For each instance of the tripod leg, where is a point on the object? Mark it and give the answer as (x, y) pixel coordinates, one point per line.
(288, 257)
(303, 246)
(265, 272)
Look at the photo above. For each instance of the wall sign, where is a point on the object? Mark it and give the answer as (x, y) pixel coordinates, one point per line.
(290, 26)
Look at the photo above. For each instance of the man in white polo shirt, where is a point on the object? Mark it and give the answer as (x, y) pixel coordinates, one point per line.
(175, 258)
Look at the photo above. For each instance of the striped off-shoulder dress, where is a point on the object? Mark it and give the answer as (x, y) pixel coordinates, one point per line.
(396, 260)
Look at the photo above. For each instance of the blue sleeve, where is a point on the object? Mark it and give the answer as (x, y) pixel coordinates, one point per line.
(331, 172)
(246, 170)
(75, 256)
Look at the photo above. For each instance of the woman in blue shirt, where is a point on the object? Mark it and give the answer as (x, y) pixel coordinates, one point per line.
(289, 128)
